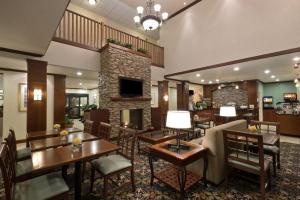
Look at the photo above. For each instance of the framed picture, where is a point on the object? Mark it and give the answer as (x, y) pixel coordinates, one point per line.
(153, 98)
(1, 97)
(1, 91)
(22, 97)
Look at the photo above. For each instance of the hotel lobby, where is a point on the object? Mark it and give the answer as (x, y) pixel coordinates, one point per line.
(149, 99)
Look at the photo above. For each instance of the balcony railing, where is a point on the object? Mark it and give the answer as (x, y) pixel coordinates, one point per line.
(81, 31)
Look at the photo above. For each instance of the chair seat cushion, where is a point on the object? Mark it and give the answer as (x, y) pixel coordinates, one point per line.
(203, 126)
(23, 167)
(109, 164)
(42, 187)
(245, 166)
(268, 149)
(23, 153)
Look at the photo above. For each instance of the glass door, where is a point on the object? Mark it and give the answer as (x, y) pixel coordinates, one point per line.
(74, 104)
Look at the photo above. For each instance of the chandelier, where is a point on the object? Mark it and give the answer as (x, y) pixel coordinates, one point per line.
(150, 18)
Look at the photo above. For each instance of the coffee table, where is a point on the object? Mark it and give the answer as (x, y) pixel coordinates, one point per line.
(155, 137)
(177, 176)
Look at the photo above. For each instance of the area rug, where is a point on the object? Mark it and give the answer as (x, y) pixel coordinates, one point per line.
(286, 186)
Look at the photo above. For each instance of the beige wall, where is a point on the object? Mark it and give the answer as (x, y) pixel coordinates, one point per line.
(12, 118)
(217, 31)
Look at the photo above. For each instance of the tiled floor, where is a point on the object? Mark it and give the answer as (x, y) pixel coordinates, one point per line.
(289, 139)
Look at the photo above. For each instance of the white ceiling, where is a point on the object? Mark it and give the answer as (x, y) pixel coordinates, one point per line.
(123, 11)
(29, 25)
(281, 66)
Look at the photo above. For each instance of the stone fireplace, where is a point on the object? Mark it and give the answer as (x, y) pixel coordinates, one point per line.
(116, 62)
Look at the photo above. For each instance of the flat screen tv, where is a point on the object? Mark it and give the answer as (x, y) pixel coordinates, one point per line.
(268, 100)
(130, 87)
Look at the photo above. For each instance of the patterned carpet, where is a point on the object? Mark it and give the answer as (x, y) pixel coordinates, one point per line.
(285, 186)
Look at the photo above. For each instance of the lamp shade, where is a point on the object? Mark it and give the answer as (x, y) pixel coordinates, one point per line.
(227, 111)
(178, 119)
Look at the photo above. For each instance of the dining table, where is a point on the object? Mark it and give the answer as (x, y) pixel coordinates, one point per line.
(54, 158)
(54, 142)
(35, 135)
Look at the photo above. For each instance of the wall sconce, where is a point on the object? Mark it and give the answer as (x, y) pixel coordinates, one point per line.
(37, 94)
(166, 97)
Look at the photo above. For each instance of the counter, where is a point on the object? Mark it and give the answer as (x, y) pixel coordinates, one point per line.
(289, 124)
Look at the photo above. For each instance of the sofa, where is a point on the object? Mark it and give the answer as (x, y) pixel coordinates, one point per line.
(214, 141)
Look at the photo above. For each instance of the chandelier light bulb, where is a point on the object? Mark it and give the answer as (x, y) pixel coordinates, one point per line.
(157, 7)
(164, 15)
(140, 10)
(137, 19)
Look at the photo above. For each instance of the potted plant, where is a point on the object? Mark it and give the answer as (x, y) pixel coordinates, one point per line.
(68, 122)
(127, 45)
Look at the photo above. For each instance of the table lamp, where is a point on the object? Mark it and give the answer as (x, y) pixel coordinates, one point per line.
(178, 120)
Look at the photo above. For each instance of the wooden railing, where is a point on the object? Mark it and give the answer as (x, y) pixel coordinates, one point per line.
(81, 31)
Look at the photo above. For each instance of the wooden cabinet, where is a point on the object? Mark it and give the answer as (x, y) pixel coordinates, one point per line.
(289, 124)
(269, 115)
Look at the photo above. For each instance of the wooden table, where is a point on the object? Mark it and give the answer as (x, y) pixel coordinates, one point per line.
(46, 134)
(155, 137)
(53, 142)
(47, 160)
(177, 176)
(202, 120)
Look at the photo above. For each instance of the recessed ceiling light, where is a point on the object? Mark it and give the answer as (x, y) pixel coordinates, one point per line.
(217, 80)
(198, 75)
(202, 80)
(296, 59)
(267, 71)
(236, 69)
(184, 3)
(273, 76)
(79, 73)
(210, 82)
(277, 80)
(92, 2)
(80, 83)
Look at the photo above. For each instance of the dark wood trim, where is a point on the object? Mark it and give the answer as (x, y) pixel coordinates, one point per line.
(13, 70)
(21, 141)
(124, 49)
(183, 9)
(173, 79)
(59, 100)
(268, 55)
(74, 44)
(26, 53)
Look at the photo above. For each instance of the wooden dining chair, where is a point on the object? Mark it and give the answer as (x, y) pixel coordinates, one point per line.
(239, 154)
(49, 186)
(271, 150)
(21, 154)
(22, 168)
(104, 131)
(113, 165)
(88, 126)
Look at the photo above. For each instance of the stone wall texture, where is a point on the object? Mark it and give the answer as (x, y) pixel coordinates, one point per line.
(116, 63)
(230, 94)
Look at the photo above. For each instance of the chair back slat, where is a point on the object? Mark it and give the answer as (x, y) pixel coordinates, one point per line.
(7, 171)
(126, 142)
(243, 147)
(104, 131)
(88, 126)
(271, 127)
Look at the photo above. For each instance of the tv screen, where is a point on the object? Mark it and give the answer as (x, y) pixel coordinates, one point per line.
(130, 87)
(268, 100)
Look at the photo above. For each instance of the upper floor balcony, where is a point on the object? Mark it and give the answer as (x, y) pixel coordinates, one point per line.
(81, 31)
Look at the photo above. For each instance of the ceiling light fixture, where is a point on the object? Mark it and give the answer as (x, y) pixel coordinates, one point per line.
(219, 87)
(273, 76)
(296, 59)
(79, 73)
(184, 3)
(236, 69)
(198, 75)
(267, 71)
(237, 87)
(92, 2)
(217, 80)
(202, 80)
(296, 80)
(151, 17)
(210, 82)
(277, 80)
(80, 83)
